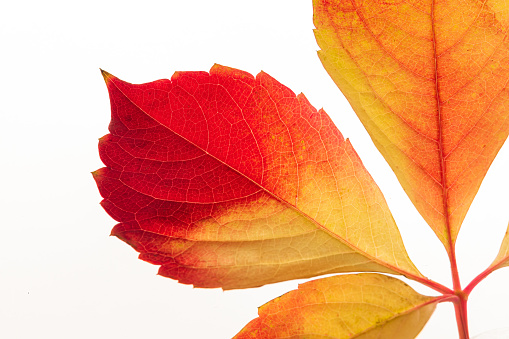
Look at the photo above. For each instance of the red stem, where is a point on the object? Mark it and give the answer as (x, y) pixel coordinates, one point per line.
(432, 284)
(478, 279)
(460, 304)
(460, 308)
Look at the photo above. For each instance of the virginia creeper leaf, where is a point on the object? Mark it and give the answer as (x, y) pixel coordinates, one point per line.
(428, 79)
(226, 180)
(348, 306)
(502, 258)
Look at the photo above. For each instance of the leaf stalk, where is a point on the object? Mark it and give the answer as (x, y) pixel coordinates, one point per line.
(478, 279)
(460, 303)
(460, 309)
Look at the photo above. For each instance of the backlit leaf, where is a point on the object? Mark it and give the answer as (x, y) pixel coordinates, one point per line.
(226, 180)
(428, 79)
(502, 258)
(349, 306)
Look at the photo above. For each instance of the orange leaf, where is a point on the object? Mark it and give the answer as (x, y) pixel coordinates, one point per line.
(429, 82)
(226, 180)
(347, 306)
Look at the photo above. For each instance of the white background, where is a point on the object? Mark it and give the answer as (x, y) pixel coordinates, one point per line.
(61, 275)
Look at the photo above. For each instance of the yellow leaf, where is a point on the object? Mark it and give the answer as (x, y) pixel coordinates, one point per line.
(502, 258)
(348, 306)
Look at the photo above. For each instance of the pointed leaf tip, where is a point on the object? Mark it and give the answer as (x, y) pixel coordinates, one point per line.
(107, 76)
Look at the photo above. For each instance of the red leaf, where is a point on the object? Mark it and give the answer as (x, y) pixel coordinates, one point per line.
(230, 181)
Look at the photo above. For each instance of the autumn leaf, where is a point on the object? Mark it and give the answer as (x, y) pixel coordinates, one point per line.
(428, 80)
(229, 180)
(502, 259)
(232, 181)
(348, 306)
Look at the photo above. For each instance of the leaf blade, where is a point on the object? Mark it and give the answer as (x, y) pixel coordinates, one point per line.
(188, 181)
(430, 88)
(502, 259)
(347, 306)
